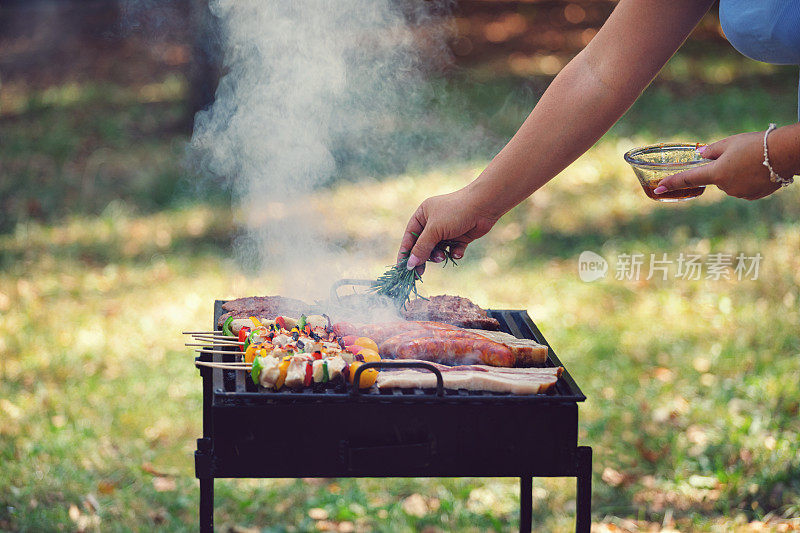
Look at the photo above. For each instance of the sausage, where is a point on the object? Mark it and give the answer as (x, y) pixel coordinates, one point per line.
(455, 350)
(388, 347)
(377, 332)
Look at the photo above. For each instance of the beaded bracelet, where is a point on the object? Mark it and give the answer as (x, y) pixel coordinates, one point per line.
(773, 176)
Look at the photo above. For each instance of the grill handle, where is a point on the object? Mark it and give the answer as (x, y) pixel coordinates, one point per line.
(355, 391)
(344, 283)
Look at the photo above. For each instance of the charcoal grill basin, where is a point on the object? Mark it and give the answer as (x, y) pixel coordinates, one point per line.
(396, 434)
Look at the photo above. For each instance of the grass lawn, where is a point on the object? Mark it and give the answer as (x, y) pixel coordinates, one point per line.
(108, 251)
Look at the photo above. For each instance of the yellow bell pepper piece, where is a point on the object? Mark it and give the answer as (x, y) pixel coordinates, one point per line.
(283, 367)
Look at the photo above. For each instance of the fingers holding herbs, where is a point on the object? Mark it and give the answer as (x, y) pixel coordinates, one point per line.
(441, 228)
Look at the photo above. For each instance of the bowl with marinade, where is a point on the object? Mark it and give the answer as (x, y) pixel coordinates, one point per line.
(654, 162)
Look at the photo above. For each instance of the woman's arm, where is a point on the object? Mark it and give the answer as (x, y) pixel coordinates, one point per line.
(582, 102)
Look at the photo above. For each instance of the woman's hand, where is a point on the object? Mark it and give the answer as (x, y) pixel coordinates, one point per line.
(737, 168)
(456, 218)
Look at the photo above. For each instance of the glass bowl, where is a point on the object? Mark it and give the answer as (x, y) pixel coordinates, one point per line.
(655, 162)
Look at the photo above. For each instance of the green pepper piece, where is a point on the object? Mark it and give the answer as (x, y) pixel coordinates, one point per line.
(250, 338)
(325, 376)
(302, 322)
(226, 327)
(255, 371)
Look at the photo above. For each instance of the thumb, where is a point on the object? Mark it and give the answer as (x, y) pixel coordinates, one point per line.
(703, 175)
(422, 249)
(713, 150)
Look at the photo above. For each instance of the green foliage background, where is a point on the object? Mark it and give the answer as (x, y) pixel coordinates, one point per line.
(109, 248)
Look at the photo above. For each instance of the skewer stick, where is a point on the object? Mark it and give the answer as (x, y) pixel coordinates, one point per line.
(210, 343)
(224, 366)
(224, 352)
(202, 332)
(215, 337)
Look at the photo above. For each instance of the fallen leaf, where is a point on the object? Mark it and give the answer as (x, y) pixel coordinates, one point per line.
(613, 478)
(74, 512)
(91, 503)
(317, 514)
(151, 469)
(163, 484)
(415, 505)
(650, 455)
(158, 516)
(106, 487)
(663, 374)
(13, 412)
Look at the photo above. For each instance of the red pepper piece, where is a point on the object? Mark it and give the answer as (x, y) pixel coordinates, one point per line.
(317, 355)
(309, 375)
(281, 322)
(243, 333)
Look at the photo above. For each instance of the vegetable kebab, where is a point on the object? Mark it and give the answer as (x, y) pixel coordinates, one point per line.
(298, 353)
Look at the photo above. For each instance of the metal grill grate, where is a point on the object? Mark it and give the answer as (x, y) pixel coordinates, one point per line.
(231, 385)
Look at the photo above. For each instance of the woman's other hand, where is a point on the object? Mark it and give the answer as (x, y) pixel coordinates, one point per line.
(456, 218)
(737, 168)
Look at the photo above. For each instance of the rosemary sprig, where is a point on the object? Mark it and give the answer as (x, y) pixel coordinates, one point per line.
(398, 283)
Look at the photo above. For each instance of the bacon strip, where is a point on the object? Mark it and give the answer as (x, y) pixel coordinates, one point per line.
(529, 381)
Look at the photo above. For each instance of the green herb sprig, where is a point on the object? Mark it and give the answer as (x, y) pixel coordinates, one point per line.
(398, 282)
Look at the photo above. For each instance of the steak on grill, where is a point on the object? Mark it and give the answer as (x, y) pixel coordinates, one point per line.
(266, 307)
(453, 310)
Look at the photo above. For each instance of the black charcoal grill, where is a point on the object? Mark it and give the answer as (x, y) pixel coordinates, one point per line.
(411, 433)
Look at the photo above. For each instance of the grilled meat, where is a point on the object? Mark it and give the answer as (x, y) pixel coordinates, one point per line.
(452, 345)
(453, 310)
(475, 377)
(450, 349)
(445, 343)
(262, 307)
(276, 305)
(377, 332)
(527, 352)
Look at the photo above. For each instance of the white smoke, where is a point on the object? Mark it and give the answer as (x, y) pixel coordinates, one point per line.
(306, 79)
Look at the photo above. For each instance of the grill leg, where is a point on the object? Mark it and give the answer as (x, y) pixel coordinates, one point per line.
(583, 503)
(206, 504)
(525, 503)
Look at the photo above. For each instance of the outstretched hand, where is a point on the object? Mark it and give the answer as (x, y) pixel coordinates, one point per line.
(737, 169)
(453, 220)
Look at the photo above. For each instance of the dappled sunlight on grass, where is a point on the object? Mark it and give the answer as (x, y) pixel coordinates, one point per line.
(18, 98)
